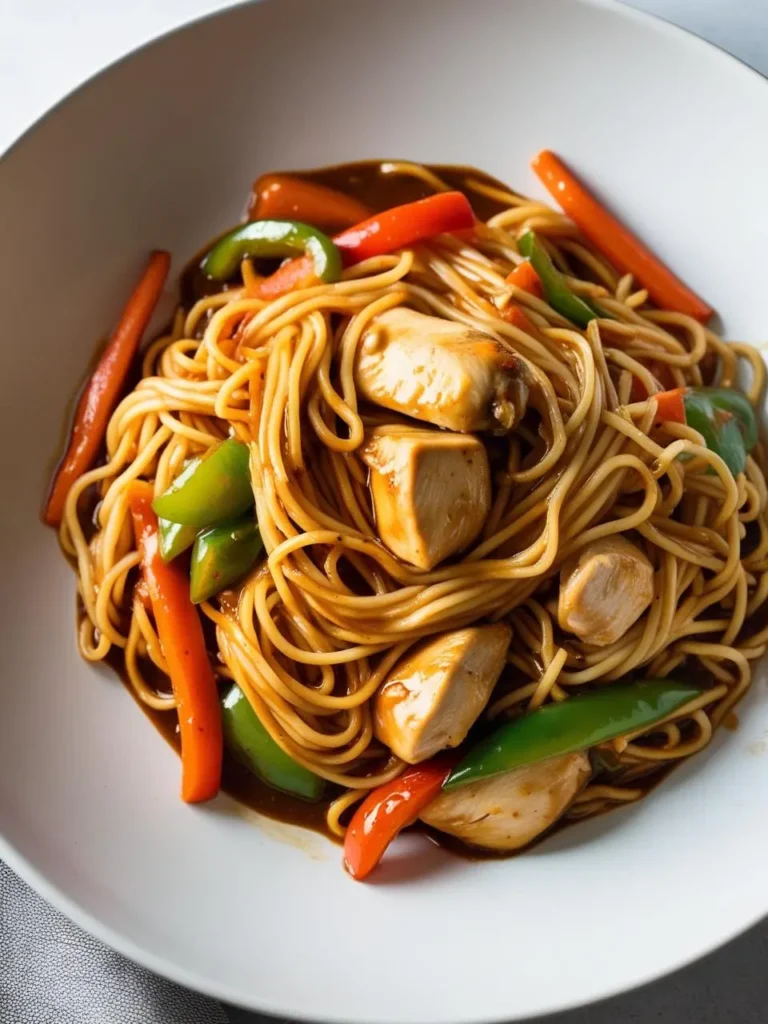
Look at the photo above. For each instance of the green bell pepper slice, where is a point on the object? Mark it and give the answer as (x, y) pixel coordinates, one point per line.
(221, 556)
(174, 538)
(727, 443)
(255, 748)
(726, 420)
(212, 490)
(574, 724)
(556, 291)
(265, 238)
(735, 402)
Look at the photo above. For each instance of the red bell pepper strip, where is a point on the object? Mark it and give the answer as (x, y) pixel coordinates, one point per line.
(103, 389)
(670, 407)
(381, 234)
(514, 315)
(405, 225)
(388, 809)
(284, 197)
(525, 277)
(181, 638)
(614, 240)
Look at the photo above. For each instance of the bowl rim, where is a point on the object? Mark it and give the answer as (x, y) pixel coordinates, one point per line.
(170, 969)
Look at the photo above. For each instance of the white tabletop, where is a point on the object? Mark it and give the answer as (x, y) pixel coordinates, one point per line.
(47, 48)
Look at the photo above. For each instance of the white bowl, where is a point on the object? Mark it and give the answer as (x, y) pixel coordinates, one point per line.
(159, 151)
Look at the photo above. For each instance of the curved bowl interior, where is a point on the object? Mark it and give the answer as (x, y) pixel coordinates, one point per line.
(159, 151)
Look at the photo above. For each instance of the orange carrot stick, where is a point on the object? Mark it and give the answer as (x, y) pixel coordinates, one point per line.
(103, 389)
(181, 638)
(525, 277)
(621, 247)
(286, 197)
(297, 273)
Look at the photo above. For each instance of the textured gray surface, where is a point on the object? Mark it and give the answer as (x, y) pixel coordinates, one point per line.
(50, 971)
(53, 973)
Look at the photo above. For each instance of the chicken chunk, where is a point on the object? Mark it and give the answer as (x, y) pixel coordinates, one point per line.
(508, 811)
(431, 491)
(441, 372)
(434, 693)
(604, 589)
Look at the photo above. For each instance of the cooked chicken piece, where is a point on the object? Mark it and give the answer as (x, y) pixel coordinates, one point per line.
(604, 589)
(434, 693)
(441, 372)
(431, 491)
(510, 810)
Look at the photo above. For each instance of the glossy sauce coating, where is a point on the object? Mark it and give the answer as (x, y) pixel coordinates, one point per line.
(369, 183)
(373, 185)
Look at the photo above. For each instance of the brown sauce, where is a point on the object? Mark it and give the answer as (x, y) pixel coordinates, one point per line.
(368, 182)
(237, 781)
(375, 188)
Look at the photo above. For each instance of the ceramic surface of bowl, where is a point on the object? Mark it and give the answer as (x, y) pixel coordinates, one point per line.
(159, 151)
